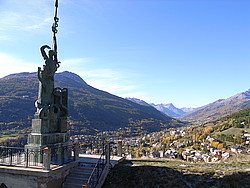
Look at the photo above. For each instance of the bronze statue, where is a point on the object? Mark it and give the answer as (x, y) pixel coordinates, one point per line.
(52, 102)
(49, 126)
(51, 62)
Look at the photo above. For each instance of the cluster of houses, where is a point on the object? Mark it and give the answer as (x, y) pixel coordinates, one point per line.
(155, 148)
(196, 156)
(240, 149)
(178, 149)
(247, 136)
(192, 155)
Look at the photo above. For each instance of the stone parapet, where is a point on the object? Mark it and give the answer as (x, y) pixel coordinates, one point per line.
(14, 177)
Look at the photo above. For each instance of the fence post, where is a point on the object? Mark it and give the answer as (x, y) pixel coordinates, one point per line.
(27, 158)
(107, 153)
(46, 158)
(11, 156)
(76, 150)
(119, 148)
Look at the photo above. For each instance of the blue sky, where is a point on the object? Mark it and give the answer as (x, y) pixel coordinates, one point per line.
(185, 52)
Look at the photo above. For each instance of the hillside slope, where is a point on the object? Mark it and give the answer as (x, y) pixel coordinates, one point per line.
(240, 119)
(88, 107)
(228, 130)
(219, 108)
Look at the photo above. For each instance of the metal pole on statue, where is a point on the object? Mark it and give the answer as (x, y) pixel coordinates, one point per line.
(55, 30)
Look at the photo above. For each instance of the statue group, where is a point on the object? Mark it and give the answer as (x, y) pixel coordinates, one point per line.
(49, 126)
(52, 102)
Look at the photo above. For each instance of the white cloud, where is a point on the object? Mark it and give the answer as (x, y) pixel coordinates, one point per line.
(104, 73)
(69, 63)
(25, 16)
(112, 86)
(107, 79)
(10, 64)
(113, 81)
(4, 37)
(116, 82)
(38, 25)
(139, 95)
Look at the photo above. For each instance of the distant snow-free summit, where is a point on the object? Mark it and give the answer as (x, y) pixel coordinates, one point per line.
(168, 109)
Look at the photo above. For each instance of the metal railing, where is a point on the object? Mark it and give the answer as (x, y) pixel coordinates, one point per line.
(34, 158)
(99, 167)
(19, 156)
(97, 171)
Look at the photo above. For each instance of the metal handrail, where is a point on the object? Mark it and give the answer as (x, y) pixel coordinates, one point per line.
(98, 169)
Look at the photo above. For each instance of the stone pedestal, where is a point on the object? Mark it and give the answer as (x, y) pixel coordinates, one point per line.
(50, 133)
(47, 138)
(49, 125)
(60, 152)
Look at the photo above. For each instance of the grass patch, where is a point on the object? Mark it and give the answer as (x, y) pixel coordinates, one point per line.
(234, 131)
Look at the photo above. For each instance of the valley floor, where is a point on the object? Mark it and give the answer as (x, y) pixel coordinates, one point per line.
(152, 173)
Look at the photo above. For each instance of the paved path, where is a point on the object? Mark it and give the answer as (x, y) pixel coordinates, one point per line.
(94, 158)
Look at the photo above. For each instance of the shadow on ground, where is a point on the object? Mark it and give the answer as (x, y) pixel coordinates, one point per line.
(124, 176)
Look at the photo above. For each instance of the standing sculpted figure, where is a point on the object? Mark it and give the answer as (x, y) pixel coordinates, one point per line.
(46, 79)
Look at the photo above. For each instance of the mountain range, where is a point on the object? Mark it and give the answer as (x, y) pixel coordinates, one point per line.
(90, 109)
(168, 109)
(171, 110)
(206, 113)
(219, 108)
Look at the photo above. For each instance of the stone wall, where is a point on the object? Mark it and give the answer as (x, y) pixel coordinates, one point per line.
(14, 177)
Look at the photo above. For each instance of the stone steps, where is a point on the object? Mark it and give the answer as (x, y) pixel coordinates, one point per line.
(71, 185)
(79, 175)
